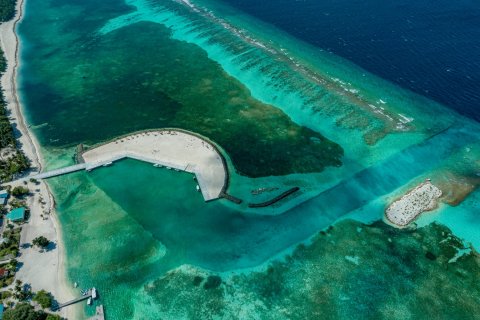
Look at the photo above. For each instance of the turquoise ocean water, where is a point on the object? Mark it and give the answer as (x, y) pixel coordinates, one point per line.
(286, 113)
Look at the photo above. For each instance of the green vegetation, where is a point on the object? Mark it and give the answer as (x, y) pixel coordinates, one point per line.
(20, 191)
(7, 9)
(43, 298)
(15, 203)
(5, 295)
(14, 161)
(41, 242)
(22, 293)
(8, 280)
(24, 311)
(9, 248)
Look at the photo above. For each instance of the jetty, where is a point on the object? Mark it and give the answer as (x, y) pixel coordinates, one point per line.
(274, 200)
(58, 172)
(171, 148)
(74, 301)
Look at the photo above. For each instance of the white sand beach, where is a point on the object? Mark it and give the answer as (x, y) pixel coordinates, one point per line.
(422, 198)
(170, 148)
(44, 270)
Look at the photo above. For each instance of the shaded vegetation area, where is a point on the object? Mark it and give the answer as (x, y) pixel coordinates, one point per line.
(7, 9)
(43, 298)
(8, 278)
(12, 159)
(351, 270)
(23, 304)
(24, 311)
(9, 247)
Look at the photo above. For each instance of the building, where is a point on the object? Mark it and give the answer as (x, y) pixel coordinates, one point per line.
(1, 311)
(3, 197)
(16, 215)
(3, 273)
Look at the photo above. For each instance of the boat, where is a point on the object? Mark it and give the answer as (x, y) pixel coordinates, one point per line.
(75, 285)
(107, 164)
(94, 293)
(198, 188)
(89, 301)
(169, 168)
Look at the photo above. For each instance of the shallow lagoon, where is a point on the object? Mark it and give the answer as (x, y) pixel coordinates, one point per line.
(90, 79)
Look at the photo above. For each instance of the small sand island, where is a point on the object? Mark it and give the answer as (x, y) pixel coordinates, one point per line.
(170, 148)
(418, 200)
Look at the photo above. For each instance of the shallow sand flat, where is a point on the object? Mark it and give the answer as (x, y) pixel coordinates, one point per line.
(422, 198)
(176, 149)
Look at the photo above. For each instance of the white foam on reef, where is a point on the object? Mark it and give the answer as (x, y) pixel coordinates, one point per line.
(422, 198)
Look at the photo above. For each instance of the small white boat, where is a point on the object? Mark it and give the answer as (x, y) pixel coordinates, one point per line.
(75, 285)
(107, 164)
(94, 293)
(198, 188)
(89, 301)
(168, 168)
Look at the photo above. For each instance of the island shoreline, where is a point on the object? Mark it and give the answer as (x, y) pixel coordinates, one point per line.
(11, 44)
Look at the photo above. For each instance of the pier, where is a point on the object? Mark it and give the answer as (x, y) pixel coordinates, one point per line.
(58, 172)
(172, 148)
(74, 301)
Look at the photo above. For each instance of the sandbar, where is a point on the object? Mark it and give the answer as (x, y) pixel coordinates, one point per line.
(422, 198)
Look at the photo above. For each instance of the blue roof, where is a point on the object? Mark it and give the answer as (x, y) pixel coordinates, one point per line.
(1, 311)
(3, 194)
(17, 214)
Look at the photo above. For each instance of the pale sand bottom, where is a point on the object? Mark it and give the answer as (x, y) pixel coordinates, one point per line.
(41, 270)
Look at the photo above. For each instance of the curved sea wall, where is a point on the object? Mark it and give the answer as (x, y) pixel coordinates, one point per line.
(177, 149)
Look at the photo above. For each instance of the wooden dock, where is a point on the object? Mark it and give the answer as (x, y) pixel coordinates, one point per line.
(55, 173)
(68, 303)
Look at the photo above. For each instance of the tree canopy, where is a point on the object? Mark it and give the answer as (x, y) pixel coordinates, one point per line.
(7, 9)
(43, 298)
(41, 242)
(23, 311)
